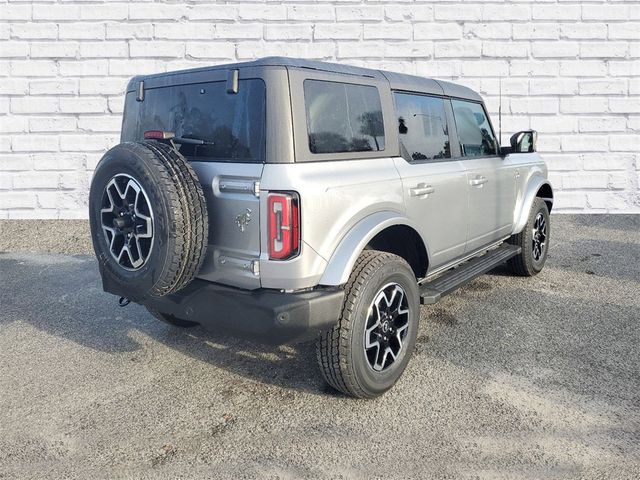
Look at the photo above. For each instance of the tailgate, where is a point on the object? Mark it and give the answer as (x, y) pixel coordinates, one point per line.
(234, 222)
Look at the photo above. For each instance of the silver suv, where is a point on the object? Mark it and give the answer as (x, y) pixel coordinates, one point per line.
(288, 199)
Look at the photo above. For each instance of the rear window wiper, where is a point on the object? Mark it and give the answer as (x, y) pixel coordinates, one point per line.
(161, 135)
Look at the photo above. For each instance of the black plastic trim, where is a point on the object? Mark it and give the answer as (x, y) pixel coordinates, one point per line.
(268, 316)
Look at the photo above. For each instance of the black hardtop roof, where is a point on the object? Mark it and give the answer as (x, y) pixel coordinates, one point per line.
(397, 81)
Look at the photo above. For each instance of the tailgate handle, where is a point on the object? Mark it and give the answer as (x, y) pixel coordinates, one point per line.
(237, 186)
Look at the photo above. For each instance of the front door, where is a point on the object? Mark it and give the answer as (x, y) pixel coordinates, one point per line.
(491, 199)
(434, 186)
(491, 179)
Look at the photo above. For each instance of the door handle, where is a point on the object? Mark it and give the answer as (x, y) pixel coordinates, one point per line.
(478, 181)
(421, 189)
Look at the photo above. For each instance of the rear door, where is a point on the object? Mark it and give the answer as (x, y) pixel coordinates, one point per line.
(434, 185)
(229, 166)
(490, 178)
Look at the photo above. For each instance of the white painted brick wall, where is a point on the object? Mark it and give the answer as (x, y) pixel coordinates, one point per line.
(569, 69)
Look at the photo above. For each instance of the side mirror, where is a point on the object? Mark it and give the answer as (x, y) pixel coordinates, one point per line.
(521, 142)
(524, 142)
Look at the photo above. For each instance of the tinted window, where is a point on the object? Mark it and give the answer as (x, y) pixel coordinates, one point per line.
(342, 117)
(474, 131)
(422, 125)
(234, 123)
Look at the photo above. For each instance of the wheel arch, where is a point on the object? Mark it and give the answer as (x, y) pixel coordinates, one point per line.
(376, 232)
(545, 192)
(537, 187)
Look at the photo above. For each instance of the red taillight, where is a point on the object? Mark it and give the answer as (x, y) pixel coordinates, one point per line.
(283, 225)
(158, 135)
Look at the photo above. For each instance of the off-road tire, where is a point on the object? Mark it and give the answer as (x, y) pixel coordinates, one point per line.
(340, 351)
(170, 319)
(524, 264)
(180, 220)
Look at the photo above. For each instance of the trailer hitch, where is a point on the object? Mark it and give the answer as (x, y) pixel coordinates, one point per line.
(124, 301)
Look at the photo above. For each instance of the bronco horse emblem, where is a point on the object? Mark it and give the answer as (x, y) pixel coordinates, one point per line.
(243, 220)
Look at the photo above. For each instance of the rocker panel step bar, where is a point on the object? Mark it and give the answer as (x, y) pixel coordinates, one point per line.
(431, 292)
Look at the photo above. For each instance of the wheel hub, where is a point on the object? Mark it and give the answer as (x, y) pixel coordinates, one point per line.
(124, 221)
(387, 327)
(127, 221)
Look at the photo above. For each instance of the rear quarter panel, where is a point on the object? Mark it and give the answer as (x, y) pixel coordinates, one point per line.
(334, 197)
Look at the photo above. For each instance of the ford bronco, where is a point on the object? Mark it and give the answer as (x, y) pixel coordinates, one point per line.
(289, 199)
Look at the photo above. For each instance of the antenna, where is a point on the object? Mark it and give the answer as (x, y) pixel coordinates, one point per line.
(500, 113)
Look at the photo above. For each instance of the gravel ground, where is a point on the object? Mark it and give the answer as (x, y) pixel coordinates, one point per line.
(511, 378)
(71, 237)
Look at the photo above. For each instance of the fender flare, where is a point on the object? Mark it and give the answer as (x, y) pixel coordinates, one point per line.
(345, 255)
(530, 193)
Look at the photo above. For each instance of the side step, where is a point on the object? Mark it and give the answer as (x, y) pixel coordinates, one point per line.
(430, 292)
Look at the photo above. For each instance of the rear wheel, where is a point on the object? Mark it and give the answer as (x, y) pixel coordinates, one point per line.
(366, 352)
(533, 240)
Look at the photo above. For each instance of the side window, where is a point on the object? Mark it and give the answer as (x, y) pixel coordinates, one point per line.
(342, 117)
(474, 131)
(422, 125)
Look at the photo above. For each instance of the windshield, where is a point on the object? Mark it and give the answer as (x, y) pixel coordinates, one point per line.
(232, 125)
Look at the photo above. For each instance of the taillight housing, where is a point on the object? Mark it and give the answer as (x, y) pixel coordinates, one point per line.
(283, 224)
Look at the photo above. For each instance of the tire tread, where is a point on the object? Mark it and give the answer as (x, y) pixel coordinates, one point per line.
(332, 347)
(188, 223)
(522, 264)
(191, 203)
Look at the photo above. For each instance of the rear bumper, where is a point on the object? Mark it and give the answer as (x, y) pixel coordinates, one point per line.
(268, 316)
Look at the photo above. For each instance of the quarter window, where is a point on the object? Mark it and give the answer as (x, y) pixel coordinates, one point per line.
(343, 117)
(474, 131)
(422, 126)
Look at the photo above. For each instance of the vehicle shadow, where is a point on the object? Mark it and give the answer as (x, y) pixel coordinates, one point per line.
(286, 366)
(62, 295)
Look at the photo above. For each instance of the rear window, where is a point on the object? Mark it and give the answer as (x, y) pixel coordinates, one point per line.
(342, 117)
(234, 123)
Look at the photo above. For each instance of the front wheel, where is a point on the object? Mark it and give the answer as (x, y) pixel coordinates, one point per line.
(366, 352)
(533, 240)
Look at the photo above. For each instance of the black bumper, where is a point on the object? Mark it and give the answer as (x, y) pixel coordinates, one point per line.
(265, 315)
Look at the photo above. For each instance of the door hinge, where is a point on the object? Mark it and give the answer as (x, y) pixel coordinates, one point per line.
(232, 81)
(140, 91)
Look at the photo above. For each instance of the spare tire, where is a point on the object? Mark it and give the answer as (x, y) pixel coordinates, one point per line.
(149, 222)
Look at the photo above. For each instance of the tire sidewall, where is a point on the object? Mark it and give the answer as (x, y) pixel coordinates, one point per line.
(371, 382)
(126, 159)
(539, 206)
